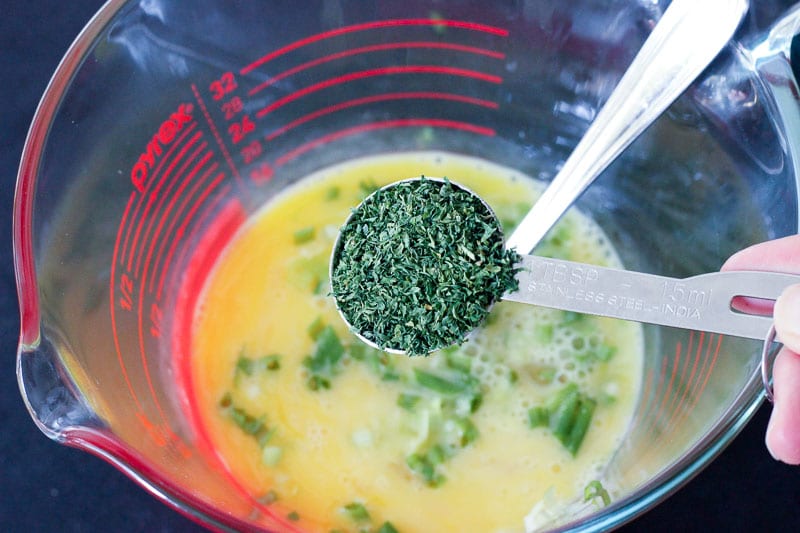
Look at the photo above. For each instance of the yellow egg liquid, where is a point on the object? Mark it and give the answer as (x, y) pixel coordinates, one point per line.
(309, 452)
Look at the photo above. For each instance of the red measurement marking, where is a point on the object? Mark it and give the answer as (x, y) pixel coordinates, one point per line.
(140, 173)
(189, 217)
(151, 195)
(688, 393)
(156, 194)
(176, 236)
(382, 98)
(193, 279)
(483, 28)
(225, 153)
(167, 156)
(155, 433)
(173, 198)
(647, 388)
(713, 362)
(232, 107)
(224, 85)
(262, 173)
(113, 304)
(241, 129)
(375, 48)
(677, 414)
(143, 351)
(677, 399)
(156, 319)
(251, 152)
(383, 71)
(669, 388)
(651, 421)
(373, 126)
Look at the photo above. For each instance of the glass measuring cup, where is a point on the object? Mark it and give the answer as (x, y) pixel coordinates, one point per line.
(123, 405)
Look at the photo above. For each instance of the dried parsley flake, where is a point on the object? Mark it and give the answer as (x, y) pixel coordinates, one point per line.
(418, 264)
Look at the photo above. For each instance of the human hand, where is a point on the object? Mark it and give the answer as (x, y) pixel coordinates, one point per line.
(781, 255)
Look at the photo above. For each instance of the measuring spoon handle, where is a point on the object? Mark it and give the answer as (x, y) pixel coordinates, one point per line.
(686, 39)
(701, 303)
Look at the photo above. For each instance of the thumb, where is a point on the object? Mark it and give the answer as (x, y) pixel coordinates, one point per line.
(783, 432)
(787, 317)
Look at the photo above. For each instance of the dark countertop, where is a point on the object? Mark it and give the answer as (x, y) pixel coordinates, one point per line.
(51, 488)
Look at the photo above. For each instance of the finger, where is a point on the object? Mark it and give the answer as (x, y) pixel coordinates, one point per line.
(783, 431)
(779, 255)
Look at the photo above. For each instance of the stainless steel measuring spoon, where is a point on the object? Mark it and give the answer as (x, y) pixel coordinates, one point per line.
(685, 40)
(703, 302)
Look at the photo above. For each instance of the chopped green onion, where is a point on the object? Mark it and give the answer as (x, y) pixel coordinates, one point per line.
(423, 466)
(568, 415)
(408, 401)
(357, 512)
(269, 498)
(271, 362)
(538, 417)
(293, 516)
(315, 328)
(304, 235)
(458, 362)
(244, 365)
(580, 426)
(595, 490)
(545, 375)
(332, 193)
(604, 353)
(248, 366)
(387, 527)
(543, 333)
(469, 431)
(323, 364)
(270, 455)
(443, 385)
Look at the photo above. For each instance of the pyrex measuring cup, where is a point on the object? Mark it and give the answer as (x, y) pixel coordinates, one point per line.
(168, 124)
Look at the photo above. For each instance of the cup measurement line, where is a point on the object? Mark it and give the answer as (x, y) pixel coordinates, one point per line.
(376, 72)
(157, 170)
(380, 24)
(153, 315)
(202, 218)
(156, 202)
(417, 95)
(151, 195)
(669, 388)
(227, 222)
(218, 179)
(125, 303)
(386, 124)
(681, 387)
(712, 351)
(178, 215)
(167, 203)
(215, 132)
(432, 45)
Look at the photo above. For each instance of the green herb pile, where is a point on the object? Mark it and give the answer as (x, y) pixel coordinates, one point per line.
(418, 265)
